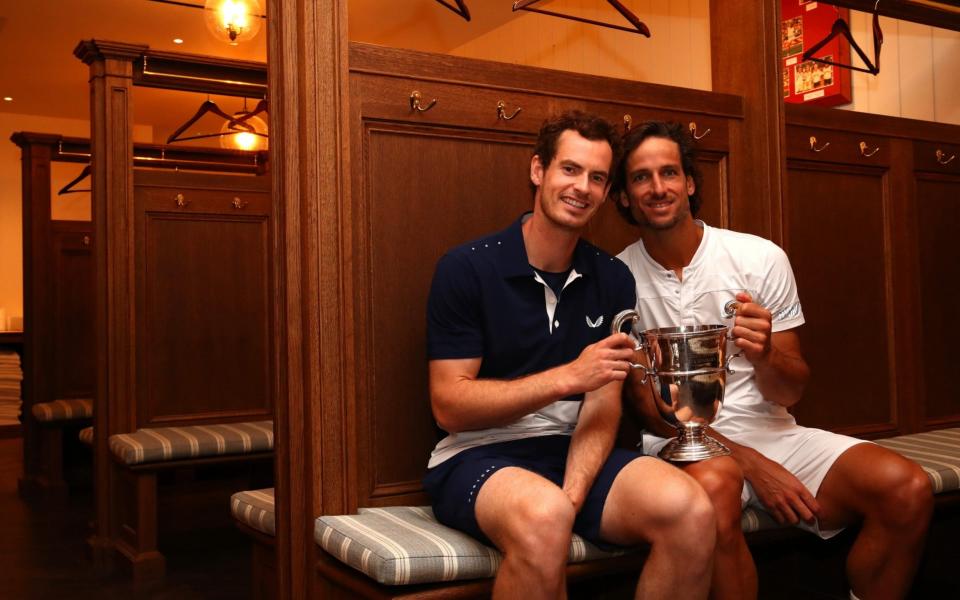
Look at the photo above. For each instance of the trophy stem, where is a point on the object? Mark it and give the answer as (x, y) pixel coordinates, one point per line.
(692, 444)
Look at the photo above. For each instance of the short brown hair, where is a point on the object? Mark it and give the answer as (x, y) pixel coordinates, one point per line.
(590, 126)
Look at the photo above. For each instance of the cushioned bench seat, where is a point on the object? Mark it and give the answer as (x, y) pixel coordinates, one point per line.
(405, 545)
(142, 455)
(255, 509)
(173, 443)
(63, 410)
(50, 421)
(938, 452)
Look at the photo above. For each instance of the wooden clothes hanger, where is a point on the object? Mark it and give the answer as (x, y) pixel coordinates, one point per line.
(208, 106)
(68, 189)
(840, 27)
(242, 118)
(461, 8)
(638, 26)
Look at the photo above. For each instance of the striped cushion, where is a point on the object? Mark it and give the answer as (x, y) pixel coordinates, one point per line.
(86, 435)
(404, 545)
(63, 410)
(194, 441)
(255, 508)
(754, 519)
(938, 452)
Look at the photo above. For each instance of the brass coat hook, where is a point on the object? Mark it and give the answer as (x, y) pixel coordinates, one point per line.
(813, 144)
(693, 131)
(627, 123)
(502, 111)
(415, 102)
(864, 152)
(940, 154)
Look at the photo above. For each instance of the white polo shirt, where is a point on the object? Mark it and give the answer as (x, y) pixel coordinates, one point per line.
(726, 262)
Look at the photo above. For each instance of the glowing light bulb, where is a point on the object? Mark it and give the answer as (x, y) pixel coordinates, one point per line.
(244, 140)
(233, 21)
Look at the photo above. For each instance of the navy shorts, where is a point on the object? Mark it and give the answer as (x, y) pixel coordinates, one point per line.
(453, 485)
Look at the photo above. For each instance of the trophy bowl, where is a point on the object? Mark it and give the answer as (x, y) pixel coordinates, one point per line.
(687, 367)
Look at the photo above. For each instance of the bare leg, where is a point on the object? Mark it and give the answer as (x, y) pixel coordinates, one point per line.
(892, 496)
(655, 502)
(734, 574)
(530, 520)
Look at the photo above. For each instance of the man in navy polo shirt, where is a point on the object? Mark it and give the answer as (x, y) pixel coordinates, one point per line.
(527, 381)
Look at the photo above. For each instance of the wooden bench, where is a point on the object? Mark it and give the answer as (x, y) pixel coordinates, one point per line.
(403, 552)
(140, 456)
(53, 419)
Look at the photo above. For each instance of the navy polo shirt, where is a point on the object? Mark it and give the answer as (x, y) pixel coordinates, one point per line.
(486, 301)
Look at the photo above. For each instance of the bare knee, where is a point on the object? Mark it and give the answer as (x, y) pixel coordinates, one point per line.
(539, 532)
(722, 480)
(908, 501)
(689, 524)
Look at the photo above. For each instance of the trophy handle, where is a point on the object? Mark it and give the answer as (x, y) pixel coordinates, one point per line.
(730, 311)
(616, 326)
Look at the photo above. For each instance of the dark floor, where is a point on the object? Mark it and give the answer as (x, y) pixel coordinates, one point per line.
(43, 553)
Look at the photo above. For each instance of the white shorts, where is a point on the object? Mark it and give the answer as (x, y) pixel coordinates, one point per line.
(806, 452)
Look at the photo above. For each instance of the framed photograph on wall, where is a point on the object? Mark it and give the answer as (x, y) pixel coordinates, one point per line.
(803, 24)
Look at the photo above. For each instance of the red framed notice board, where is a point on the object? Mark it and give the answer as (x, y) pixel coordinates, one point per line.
(803, 24)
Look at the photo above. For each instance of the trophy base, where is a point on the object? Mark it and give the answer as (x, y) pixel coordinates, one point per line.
(692, 445)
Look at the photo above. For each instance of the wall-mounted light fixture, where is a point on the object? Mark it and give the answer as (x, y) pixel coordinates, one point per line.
(233, 21)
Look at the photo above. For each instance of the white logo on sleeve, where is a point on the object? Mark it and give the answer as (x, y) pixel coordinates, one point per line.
(594, 324)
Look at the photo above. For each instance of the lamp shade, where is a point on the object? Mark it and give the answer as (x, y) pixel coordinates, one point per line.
(234, 139)
(233, 21)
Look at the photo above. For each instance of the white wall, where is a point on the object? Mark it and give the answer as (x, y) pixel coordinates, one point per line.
(919, 75)
(919, 71)
(677, 53)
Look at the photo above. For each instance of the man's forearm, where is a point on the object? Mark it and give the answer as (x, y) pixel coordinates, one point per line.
(781, 377)
(470, 403)
(592, 441)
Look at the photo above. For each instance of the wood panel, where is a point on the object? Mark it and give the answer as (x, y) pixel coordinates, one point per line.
(938, 210)
(202, 298)
(411, 222)
(426, 181)
(837, 242)
(71, 367)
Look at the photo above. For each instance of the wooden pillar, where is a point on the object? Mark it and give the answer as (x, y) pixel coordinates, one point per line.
(308, 85)
(745, 48)
(36, 151)
(111, 147)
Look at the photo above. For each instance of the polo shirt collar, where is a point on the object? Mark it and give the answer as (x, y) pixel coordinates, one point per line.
(517, 264)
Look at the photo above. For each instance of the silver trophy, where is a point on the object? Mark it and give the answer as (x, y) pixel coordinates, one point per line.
(687, 367)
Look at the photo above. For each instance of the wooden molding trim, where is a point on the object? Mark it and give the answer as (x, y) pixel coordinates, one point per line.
(313, 316)
(745, 61)
(857, 122)
(90, 51)
(391, 62)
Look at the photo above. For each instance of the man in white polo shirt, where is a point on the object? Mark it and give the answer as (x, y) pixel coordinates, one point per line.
(685, 272)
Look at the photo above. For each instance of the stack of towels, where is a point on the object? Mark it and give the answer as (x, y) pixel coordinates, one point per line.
(10, 378)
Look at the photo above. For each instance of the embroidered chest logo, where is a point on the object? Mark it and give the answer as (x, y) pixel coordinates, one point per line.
(596, 323)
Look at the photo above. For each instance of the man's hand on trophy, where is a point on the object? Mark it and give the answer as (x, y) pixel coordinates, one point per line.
(600, 363)
(752, 328)
(782, 494)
